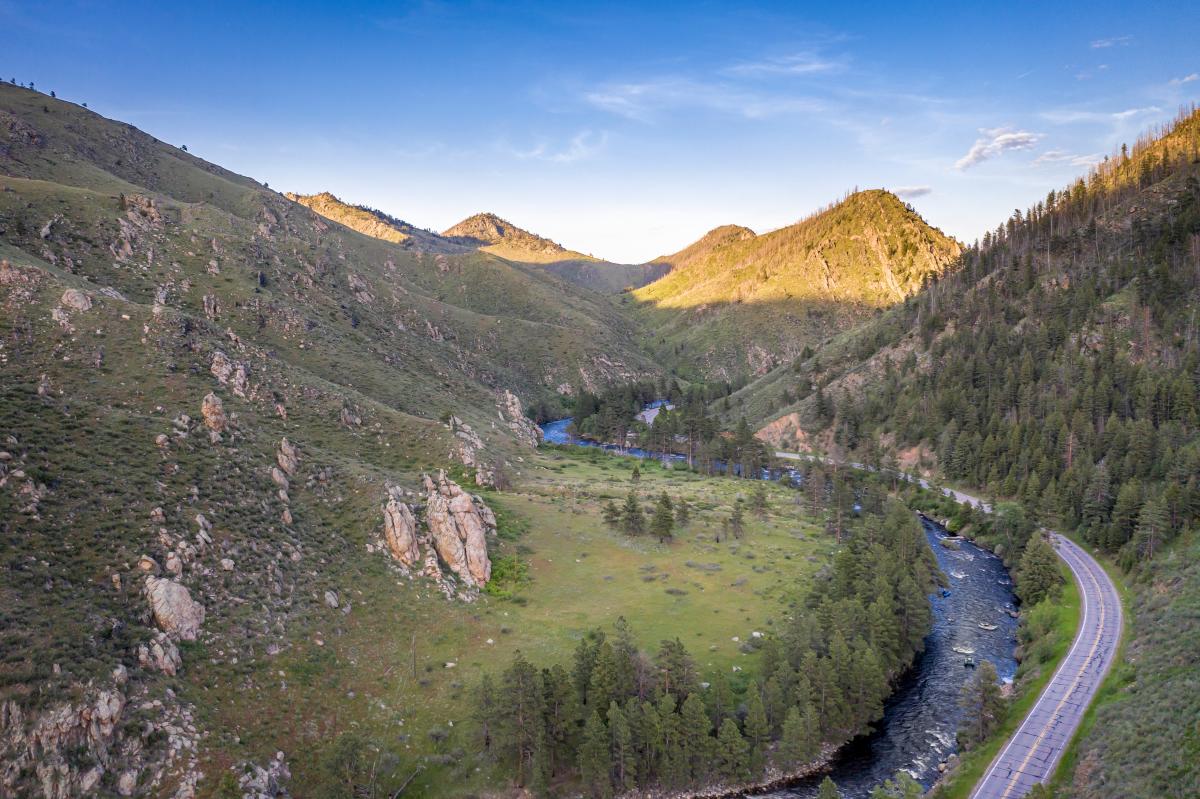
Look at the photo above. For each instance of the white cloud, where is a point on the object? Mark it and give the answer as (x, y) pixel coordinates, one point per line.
(795, 64)
(1071, 159)
(644, 100)
(996, 141)
(911, 192)
(1185, 79)
(582, 145)
(1113, 41)
(1069, 116)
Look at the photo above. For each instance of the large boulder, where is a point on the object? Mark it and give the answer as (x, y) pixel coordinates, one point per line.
(175, 612)
(400, 530)
(459, 529)
(74, 298)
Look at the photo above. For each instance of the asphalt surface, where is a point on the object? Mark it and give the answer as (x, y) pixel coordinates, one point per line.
(1032, 754)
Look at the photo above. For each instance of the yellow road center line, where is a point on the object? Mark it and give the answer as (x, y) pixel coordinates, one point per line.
(1074, 683)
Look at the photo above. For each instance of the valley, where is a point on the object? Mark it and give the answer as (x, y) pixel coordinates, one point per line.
(293, 502)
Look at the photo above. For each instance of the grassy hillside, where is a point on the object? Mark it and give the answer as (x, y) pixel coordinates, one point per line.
(136, 280)
(736, 303)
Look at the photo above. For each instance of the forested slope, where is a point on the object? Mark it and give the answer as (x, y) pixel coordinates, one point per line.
(1059, 365)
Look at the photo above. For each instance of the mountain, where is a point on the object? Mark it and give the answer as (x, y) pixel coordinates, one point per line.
(216, 407)
(489, 233)
(376, 223)
(1056, 368)
(739, 303)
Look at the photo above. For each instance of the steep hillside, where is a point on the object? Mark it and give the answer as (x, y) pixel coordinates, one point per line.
(1057, 366)
(216, 408)
(736, 303)
(376, 223)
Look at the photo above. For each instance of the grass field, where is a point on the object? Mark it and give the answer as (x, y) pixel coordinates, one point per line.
(411, 705)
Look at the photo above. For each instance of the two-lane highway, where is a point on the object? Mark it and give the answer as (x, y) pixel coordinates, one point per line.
(1032, 754)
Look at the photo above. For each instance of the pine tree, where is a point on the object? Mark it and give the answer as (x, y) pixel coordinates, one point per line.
(676, 669)
(623, 756)
(828, 790)
(632, 516)
(695, 741)
(737, 520)
(732, 753)
(611, 515)
(1038, 576)
(521, 727)
(485, 712)
(983, 706)
(758, 730)
(663, 521)
(636, 474)
(606, 675)
(683, 513)
(798, 742)
(594, 758)
(1152, 527)
(561, 714)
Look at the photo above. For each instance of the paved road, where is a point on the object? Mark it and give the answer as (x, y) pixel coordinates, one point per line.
(1032, 754)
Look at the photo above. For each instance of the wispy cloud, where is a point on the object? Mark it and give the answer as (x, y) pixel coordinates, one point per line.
(1070, 159)
(996, 141)
(1112, 41)
(646, 99)
(1068, 116)
(581, 146)
(911, 192)
(1185, 79)
(804, 63)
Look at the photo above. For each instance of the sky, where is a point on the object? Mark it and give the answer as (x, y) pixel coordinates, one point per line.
(628, 130)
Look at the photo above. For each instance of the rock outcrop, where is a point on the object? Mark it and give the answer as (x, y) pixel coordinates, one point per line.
(175, 612)
(512, 413)
(160, 654)
(213, 412)
(400, 529)
(459, 525)
(287, 457)
(74, 298)
(230, 373)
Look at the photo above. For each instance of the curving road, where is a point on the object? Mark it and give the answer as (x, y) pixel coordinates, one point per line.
(1032, 754)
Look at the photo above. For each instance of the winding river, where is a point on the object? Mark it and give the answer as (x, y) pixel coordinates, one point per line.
(918, 727)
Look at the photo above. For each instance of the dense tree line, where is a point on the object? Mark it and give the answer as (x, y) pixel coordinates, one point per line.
(618, 717)
(1065, 357)
(686, 428)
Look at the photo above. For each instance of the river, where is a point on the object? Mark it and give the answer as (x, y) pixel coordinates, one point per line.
(918, 727)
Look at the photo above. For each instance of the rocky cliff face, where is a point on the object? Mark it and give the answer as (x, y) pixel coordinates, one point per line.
(459, 526)
(455, 535)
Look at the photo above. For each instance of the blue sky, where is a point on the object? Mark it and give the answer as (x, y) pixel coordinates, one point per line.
(628, 131)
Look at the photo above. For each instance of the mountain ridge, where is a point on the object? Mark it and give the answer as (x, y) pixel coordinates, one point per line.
(735, 301)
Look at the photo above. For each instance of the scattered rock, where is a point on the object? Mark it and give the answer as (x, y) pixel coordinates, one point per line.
(331, 599)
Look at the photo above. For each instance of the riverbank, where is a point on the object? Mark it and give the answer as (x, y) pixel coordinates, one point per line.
(1043, 653)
